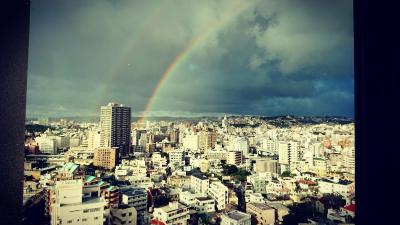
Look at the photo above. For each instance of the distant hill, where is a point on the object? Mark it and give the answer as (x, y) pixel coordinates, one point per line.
(280, 121)
(286, 121)
(133, 119)
(31, 128)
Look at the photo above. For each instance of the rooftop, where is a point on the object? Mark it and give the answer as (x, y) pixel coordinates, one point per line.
(204, 198)
(172, 206)
(70, 167)
(133, 191)
(261, 206)
(89, 178)
(237, 215)
(200, 176)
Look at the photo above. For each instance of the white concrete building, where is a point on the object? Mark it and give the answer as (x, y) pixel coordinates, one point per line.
(46, 144)
(280, 210)
(188, 198)
(204, 204)
(191, 141)
(158, 160)
(173, 213)
(199, 184)
(234, 158)
(72, 206)
(93, 138)
(342, 187)
(270, 145)
(217, 154)
(288, 153)
(240, 144)
(219, 193)
(256, 198)
(176, 157)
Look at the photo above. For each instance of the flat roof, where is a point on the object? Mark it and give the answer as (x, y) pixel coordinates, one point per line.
(261, 206)
(237, 215)
(204, 198)
(200, 176)
(71, 167)
(133, 191)
(168, 208)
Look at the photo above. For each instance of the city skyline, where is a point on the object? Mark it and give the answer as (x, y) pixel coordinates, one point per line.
(207, 58)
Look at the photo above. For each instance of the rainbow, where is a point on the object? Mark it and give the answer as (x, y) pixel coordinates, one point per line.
(122, 63)
(192, 45)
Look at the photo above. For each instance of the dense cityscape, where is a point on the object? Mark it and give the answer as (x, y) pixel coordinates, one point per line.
(184, 112)
(236, 170)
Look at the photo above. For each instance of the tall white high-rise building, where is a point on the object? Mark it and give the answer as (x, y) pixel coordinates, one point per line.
(269, 145)
(349, 158)
(177, 157)
(115, 126)
(94, 138)
(234, 158)
(288, 153)
(224, 122)
(47, 144)
(241, 144)
(191, 141)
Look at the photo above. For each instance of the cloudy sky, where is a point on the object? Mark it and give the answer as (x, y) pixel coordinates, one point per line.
(233, 56)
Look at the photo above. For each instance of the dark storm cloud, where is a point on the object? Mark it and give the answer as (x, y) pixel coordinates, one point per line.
(275, 57)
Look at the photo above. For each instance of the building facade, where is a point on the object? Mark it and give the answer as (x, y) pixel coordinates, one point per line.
(106, 157)
(219, 193)
(173, 213)
(264, 214)
(71, 205)
(115, 126)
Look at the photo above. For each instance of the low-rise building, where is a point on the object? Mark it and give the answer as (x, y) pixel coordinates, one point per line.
(106, 157)
(234, 158)
(204, 204)
(235, 218)
(173, 213)
(71, 204)
(199, 183)
(264, 214)
(219, 193)
(123, 215)
(176, 157)
(280, 211)
(135, 197)
(342, 187)
(179, 181)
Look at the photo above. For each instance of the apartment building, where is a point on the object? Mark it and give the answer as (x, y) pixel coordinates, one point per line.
(264, 214)
(173, 213)
(219, 193)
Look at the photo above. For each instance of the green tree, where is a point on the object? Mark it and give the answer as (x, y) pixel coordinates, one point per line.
(229, 170)
(285, 174)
